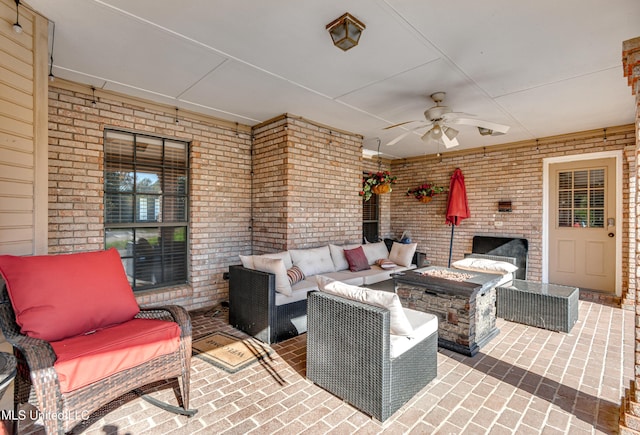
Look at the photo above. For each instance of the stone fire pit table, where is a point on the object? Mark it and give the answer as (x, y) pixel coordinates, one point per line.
(463, 301)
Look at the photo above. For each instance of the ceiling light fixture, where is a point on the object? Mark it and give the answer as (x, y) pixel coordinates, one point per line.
(345, 31)
(451, 133)
(485, 131)
(53, 40)
(16, 26)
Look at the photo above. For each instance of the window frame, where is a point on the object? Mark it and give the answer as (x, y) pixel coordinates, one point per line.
(371, 222)
(165, 253)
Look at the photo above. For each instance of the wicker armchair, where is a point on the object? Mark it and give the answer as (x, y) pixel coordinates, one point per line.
(37, 381)
(348, 354)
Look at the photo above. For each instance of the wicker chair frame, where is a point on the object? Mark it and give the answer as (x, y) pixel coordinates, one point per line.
(253, 309)
(37, 381)
(348, 354)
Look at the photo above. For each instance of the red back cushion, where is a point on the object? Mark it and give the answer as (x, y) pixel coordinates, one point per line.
(357, 259)
(59, 296)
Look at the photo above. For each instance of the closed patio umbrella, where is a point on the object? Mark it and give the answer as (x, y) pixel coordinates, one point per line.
(457, 205)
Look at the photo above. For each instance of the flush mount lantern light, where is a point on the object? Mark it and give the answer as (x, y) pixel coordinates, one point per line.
(345, 31)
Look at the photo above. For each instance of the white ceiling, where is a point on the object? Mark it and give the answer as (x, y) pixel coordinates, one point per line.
(544, 68)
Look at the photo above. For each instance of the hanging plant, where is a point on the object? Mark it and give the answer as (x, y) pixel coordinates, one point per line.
(377, 182)
(425, 192)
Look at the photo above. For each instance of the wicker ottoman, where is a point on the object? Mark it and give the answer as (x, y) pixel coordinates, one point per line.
(547, 306)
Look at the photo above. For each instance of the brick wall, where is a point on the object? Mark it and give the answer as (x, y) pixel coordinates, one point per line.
(306, 184)
(306, 179)
(630, 406)
(502, 173)
(220, 184)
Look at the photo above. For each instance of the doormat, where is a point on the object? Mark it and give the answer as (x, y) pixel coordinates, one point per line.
(228, 352)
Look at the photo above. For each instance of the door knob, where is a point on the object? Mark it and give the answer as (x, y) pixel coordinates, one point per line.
(610, 234)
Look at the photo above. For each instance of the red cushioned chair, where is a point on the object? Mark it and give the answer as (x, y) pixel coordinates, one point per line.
(80, 338)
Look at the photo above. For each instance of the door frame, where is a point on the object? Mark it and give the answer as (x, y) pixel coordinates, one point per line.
(546, 162)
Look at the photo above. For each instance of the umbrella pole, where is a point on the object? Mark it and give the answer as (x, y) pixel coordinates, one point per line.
(451, 245)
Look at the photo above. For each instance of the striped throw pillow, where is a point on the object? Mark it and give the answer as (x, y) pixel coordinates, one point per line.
(295, 275)
(386, 263)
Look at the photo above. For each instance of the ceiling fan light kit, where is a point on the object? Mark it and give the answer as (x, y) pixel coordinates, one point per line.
(437, 122)
(345, 31)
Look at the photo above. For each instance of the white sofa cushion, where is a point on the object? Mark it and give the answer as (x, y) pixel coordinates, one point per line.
(402, 253)
(299, 291)
(485, 265)
(353, 278)
(375, 251)
(338, 258)
(398, 322)
(424, 324)
(313, 261)
(277, 267)
(378, 274)
(247, 260)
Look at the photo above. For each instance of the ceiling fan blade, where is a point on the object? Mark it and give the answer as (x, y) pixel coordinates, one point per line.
(453, 115)
(399, 138)
(480, 123)
(405, 134)
(401, 123)
(449, 143)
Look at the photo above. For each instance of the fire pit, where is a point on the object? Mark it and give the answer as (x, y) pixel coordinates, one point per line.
(465, 304)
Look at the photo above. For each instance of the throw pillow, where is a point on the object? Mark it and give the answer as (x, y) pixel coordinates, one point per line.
(485, 265)
(402, 253)
(284, 255)
(295, 275)
(337, 255)
(60, 296)
(398, 322)
(356, 259)
(375, 251)
(275, 266)
(247, 261)
(313, 261)
(385, 263)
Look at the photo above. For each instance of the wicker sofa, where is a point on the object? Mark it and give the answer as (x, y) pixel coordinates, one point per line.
(352, 353)
(81, 340)
(259, 306)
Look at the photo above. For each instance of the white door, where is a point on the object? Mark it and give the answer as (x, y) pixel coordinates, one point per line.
(582, 226)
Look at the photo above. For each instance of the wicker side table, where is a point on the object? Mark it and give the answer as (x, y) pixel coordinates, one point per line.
(547, 306)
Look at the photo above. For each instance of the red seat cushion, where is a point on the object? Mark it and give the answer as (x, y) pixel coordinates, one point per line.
(85, 359)
(59, 296)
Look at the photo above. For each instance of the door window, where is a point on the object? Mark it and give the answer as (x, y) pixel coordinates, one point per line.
(581, 198)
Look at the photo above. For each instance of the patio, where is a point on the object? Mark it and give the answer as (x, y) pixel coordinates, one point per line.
(526, 380)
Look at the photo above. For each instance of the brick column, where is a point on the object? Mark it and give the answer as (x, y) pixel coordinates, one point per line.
(630, 407)
(306, 179)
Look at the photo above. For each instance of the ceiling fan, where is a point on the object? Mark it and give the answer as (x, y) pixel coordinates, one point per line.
(439, 120)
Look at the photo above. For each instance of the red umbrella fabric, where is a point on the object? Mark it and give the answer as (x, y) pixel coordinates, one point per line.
(457, 204)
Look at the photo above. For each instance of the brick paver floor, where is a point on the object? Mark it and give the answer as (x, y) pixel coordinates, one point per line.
(525, 381)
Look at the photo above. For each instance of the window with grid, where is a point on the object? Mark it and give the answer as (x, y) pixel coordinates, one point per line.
(146, 200)
(370, 219)
(581, 196)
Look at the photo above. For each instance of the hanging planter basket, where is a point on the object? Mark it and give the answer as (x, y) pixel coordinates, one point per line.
(378, 183)
(425, 192)
(381, 188)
